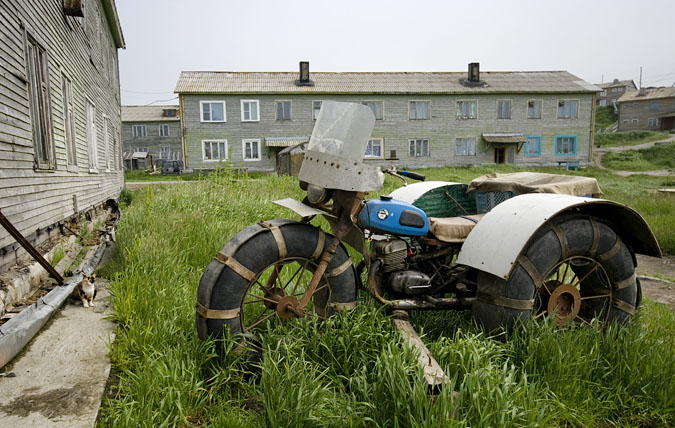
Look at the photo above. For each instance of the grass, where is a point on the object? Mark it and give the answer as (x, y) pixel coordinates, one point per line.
(57, 255)
(630, 138)
(604, 117)
(353, 370)
(139, 175)
(661, 156)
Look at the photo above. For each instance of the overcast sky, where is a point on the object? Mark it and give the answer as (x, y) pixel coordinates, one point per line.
(592, 39)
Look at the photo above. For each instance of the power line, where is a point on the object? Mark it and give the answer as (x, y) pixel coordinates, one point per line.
(147, 93)
(162, 101)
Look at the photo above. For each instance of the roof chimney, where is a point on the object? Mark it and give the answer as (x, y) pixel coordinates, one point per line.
(304, 79)
(474, 72)
(616, 80)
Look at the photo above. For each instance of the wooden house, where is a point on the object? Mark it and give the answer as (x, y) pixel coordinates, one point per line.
(60, 144)
(150, 135)
(612, 91)
(649, 109)
(422, 119)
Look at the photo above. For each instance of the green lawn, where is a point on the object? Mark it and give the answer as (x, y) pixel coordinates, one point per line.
(353, 370)
(604, 117)
(630, 138)
(661, 156)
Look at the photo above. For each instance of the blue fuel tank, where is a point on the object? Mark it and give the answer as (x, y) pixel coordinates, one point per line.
(387, 215)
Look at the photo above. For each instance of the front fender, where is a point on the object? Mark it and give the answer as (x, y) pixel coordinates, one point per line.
(497, 240)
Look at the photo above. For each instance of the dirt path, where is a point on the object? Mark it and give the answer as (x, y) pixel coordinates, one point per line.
(598, 154)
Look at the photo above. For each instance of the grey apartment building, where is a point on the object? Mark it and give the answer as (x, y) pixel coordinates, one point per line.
(422, 119)
(612, 91)
(150, 134)
(651, 109)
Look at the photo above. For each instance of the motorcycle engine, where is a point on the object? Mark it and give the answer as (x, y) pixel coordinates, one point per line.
(393, 254)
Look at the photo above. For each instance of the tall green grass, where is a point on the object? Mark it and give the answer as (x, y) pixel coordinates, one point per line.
(661, 156)
(351, 370)
(629, 138)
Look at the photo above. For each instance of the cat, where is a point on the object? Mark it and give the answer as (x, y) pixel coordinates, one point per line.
(86, 289)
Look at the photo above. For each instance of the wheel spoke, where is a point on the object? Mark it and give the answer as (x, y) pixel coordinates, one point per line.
(265, 299)
(302, 272)
(540, 314)
(589, 272)
(582, 320)
(573, 282)
(599, 296)
(567, 266)
(315, 291)
(247, 329)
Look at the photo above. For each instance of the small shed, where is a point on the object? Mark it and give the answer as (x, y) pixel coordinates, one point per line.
(289, 160)
(137, 160)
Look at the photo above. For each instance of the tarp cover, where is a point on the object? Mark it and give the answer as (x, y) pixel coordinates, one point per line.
(536, 182)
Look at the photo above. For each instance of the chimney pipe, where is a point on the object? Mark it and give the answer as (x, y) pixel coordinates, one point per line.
(474, 72)
(304, 75)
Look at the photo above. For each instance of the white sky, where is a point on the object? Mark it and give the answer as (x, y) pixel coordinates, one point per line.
(589, 38)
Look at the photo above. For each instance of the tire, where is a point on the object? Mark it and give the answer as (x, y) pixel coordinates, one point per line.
(578, 270)
(248, 303)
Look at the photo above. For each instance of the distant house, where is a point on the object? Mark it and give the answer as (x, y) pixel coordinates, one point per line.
(60, 145)
(422, 119)
(647, 109)
(612, 91)
(150, 134)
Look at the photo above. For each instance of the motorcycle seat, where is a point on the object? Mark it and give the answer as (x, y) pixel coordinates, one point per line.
(453, 229)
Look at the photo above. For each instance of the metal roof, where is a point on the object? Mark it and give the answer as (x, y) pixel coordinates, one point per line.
(285, 141)
(148, 113)
(616, 84)
(504, 137)
(226, 82)
(647, 94)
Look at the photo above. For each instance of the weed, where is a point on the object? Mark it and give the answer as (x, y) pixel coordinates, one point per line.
(57, 255)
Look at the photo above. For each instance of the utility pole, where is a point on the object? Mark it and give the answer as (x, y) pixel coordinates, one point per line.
(640, 78)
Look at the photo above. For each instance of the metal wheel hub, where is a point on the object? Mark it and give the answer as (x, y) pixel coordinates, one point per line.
(273, 294)
(286, 308)
(565, 302)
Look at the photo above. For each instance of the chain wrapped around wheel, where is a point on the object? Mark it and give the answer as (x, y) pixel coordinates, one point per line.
(575, 268)
(263, 267)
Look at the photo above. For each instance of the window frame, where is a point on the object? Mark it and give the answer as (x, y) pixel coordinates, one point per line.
(315, 112)
(217, 141)
(201, 111)
(603, 93)
(541, 108)
(69, 130)
(141, 150)
(276, 110)
(168, 132)
(381, 143)
(654, 106)
(134, 134)
(498, 110)
(161, 151)
(565, 100)
(421, 140)
(653, 122)
(462, 116)
(410, 102)
(381, 102)
(106, 141)
(462, 140)
(243, 149)
(556, 152)
(527, 143)
(257, 107)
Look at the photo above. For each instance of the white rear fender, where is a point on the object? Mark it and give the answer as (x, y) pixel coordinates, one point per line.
(497, 240)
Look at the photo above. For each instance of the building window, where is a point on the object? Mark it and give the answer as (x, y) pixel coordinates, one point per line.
(620, 89)
(375, 149)
(139, 131)
(534, 109)
(141, 150)
(466, 109)
(568, 109)
(566, 145)
(615, 89)
(91, 136)
(212, 111)
(106, 141)
(504, 109)
(316, 108)
(634, 105)
(163, 130)
(377, 107)
(636, 121)
(283, 110)
(466, 147)
(164, 152)
(214, 150)
(603, 93)
(533, 146)
(38, 95)
(654, 106)
(625, 121)
(653, 122)
(419, 148)
(602, 102)
(249, 111)
(419, 110)
(69, 121)
(251, 149)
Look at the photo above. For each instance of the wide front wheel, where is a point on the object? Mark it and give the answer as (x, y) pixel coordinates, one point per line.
(575, 268)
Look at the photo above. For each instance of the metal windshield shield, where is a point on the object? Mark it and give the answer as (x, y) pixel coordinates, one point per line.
(336, 149)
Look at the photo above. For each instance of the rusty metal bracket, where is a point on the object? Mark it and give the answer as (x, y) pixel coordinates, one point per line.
(29, 248)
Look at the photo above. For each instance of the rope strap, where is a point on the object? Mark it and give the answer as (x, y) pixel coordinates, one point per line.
(623, 306)
(626, 282)
(612, 251)
(530, 269)
(342, 306)
(217, 314)
(240, 269)
(596, 237)
(278, 237)
(340, 269)
(562, 238)
(319, 245)
(523, 305)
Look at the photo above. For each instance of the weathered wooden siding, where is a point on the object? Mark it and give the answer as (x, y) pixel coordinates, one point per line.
(640, 111)
(442, 129)
(152, 141)
(35, 199)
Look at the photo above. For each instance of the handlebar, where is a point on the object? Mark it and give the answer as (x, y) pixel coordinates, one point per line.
(413, 175)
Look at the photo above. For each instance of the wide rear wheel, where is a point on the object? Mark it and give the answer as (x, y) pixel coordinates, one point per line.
(575, 268)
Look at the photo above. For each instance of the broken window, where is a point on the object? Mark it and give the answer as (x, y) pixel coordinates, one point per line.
(568, 109)
(38, 95)
(534, 109)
